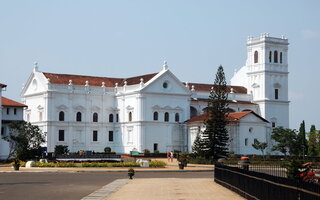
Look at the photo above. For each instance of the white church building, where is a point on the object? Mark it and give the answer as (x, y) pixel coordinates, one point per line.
(157, 111)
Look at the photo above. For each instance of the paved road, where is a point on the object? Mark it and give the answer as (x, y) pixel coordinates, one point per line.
(53, 186)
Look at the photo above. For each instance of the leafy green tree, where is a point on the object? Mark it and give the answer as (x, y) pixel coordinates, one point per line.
(215, 137)
(24, 140)
(260, 145)
(286, 141)
(303, 143)
(312, 143)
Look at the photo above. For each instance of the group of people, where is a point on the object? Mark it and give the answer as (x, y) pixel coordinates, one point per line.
(170, 156)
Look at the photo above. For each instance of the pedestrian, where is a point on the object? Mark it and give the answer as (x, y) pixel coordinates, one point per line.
(169, 155)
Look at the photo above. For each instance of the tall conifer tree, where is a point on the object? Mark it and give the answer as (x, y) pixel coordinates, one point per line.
(303, 144)
(215, 137)
(312, 143)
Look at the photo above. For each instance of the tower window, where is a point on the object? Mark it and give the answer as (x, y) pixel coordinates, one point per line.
(117, 117)
(166, 117)
(110, 136)
(270, 56)
(111, 118)
(256, 56)
(95, 136)
(276, 93)
(61, 116)
(130, 116)
(177, 117)
(61, 135)
(95, 117)
(281, 57)
(155, 116)
(78, 118)
(246, 142)
(275, 56)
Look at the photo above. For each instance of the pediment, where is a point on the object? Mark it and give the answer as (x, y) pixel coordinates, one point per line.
(166, 83)
(79, 107)
(62, 107)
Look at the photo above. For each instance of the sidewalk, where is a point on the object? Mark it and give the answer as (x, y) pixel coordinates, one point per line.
(173, 189)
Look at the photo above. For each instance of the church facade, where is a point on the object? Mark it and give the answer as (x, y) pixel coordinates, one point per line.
(155, 111)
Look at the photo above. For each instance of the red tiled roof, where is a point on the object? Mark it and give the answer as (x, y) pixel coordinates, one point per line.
(11, 103)
(2, 85)
(207, 87)
(232, 117)
(95, 81)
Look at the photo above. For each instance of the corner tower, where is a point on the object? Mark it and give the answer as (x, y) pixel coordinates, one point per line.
(267, 76)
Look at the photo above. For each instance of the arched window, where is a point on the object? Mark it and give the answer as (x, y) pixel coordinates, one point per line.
(270, 56)
(193, 111)
(281, 57)
(130, 116)
(166, 116)
(275, 57)
(155, 116)
(256, 57)
(78, 116)
(61, 116)
(177, 117)
(205, 109)
(111, 117)
(95, 117)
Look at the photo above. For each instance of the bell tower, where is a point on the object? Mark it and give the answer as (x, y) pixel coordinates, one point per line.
(267, 76)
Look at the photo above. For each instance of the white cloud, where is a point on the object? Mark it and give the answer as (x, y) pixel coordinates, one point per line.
(309, 34)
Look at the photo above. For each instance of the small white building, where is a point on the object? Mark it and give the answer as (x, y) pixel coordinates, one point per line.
(11, 111)
(149, 111)
(243, 128)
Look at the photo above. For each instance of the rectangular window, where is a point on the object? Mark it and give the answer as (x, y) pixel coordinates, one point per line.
(276, 93)
(95, 136)
(246, 141)
(8, 111)
(3, 130)
(155, 147)
(110, 136)
(273, 124)
(14, 111)
(61, 135)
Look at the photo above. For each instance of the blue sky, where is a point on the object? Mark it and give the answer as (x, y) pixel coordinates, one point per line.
(127, 38)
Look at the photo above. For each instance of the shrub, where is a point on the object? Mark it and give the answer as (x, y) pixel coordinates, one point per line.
(107, 149)
(157, 163)
(146, 152)
(156, 152)
(61, 149)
